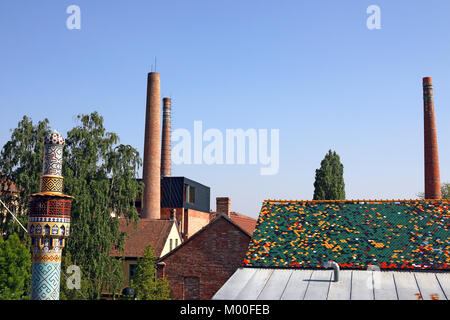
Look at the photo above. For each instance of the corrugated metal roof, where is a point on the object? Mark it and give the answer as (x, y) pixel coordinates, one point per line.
(296, 284)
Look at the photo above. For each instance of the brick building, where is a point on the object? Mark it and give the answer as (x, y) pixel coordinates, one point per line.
(203, 263)
(9, 193)
(162, 235)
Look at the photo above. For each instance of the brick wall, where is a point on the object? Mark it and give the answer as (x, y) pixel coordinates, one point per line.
(195, 221)
(212, 256)
(189, 220)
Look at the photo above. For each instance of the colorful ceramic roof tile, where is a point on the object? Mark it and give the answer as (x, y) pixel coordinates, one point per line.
(397, 234)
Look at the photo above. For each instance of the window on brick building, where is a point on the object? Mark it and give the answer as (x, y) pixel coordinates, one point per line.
(191, 288)
(171, 244)
(132, 269)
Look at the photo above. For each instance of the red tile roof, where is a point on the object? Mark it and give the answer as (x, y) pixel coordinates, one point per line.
(8, 186)
(154, 232)
(243, 221)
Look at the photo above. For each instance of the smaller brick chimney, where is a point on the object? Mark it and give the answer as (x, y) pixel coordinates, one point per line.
(165, 143)
(223, 205)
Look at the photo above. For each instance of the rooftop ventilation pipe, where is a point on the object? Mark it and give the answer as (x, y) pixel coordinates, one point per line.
(335, 266)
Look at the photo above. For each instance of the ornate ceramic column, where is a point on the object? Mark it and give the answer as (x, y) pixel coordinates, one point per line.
(49, 222)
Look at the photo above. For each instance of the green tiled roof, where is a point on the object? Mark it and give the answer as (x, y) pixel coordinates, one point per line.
(409, 234)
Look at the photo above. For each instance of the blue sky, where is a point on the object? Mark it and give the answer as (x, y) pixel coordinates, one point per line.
(311, 69)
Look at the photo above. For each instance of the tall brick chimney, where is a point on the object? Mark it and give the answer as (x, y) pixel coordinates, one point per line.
(166, 129)
(152, 150)
(432, 176)
(223, 205)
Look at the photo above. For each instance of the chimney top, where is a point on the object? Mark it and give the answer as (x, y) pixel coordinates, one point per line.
(427, 79)
(223, 205)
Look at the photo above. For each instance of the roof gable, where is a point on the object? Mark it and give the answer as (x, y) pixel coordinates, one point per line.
(410, 234)
(154, 232)
(205, 229)
(245, 222)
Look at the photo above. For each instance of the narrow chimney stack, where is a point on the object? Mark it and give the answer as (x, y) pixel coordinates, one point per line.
(166, 147)
(152, 150)
(223, 205)
(432, 176)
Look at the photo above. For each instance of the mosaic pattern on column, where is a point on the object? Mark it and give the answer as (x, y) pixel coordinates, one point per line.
(48, 227)
(49, 222)
(45, 280)
(53, 153)
(51, 184)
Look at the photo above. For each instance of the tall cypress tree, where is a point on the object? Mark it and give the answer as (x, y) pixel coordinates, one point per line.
(329, 183)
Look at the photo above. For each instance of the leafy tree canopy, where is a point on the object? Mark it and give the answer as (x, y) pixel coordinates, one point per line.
(21, 168)
(15, 268)
(70, 293)
(144, 283)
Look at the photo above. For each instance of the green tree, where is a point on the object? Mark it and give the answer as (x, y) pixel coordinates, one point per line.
(21, 164)
(101, 175)
(144, 281)
(445, 190)
(15, 268)
(66, 293)
(329, 183)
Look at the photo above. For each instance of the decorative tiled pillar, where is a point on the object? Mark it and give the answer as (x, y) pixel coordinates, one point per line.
(49, 222)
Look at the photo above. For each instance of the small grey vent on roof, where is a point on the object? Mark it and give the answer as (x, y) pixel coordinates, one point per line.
(335, 266)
